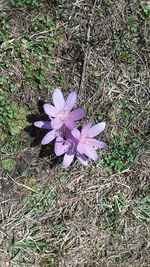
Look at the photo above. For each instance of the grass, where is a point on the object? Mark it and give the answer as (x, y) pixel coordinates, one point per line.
(9, 164)
(41, 201)
(13, 120)
(21, 3)
(144, 210)
(91, 216)
(34, 57)
(123, 51)
(112, 210)
(125, 149)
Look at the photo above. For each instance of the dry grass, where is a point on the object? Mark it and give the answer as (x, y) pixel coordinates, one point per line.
(94, 218)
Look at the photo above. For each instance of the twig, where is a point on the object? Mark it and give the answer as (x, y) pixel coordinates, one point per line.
(25, 186)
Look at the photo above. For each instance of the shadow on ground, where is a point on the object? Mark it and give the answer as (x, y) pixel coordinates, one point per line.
(38, 134)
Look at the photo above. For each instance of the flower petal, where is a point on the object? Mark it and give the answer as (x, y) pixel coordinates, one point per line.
(96, 129)
(76, 133)
(56, 123)
(68, 158)
(68, 136)
(83, 159)
(80, 148)
(90, 152)
(58, 99)
(69, 124)
(97, 143)
(60, 146)
(43, 124)
(71, 100)
(48, 137)
(86, 128)
(77, 114)
(50, 110)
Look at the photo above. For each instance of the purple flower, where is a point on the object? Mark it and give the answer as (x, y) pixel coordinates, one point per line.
(69, 140)
(43, 124)
(87, 145)
(50, 135)
(68, 146)
(80, 144)
(61, 114)
(71, 154)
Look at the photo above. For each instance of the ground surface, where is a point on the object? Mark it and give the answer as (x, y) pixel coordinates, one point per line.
(98, 216)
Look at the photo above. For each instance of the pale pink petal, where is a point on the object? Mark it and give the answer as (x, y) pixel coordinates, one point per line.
(69, 124)
(77, 114)
(56, 123)
(97, 143)
(90, 152)
(43, 124)
(60, 147)
(71, 100)
(50, 110)
(68, 159)
(86, 128)
(58, 99)
(76, 133)
(83, 159)
(96, 129)
(80, 148)
(48, 137)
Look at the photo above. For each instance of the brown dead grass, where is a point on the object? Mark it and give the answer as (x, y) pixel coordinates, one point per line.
(77, 227)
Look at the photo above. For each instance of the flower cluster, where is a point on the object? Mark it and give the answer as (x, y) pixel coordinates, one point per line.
(62, 126)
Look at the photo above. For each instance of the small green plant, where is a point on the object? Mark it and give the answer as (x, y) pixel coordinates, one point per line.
(97, 79)
(122, 152)
(124, 146)
(113, 211)
(4, 30)
(21, 3)
(36, 54)
(43, 24)
(12, 119)
(145, 12)
(64, 175)
(30, 244)
(144, 208)
(125, 110)
(133, 26)
(9, 144)
(123, 51)
(3, 81)
(9, 164)
(25, 245)
(5, 25)
(41, 201)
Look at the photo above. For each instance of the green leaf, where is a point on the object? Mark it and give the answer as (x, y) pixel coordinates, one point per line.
(9, 164)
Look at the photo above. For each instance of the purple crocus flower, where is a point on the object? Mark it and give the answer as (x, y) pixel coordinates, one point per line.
(80, 144)
(68, 146)
(43, 124)
(86, 143)
(61, 114)
(50, 135)
(71, 154)
(69, 140)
